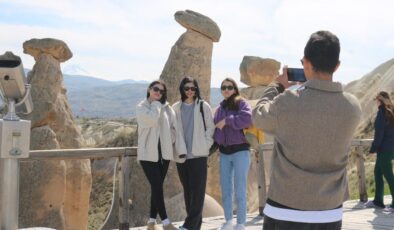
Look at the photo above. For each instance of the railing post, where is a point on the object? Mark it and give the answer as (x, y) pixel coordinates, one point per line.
(9, 189)
(362, 185)
(261, 180)
(124, 169)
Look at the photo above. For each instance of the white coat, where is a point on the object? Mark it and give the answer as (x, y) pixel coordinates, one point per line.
(202, 139)
(155, 121)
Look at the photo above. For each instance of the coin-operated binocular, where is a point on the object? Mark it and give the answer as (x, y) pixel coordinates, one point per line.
(14, 133)
(14, 136)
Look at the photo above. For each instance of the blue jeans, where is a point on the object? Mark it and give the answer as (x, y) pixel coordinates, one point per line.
(234, 169)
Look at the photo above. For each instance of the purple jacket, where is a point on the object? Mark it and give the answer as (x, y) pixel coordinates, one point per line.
(236, 121)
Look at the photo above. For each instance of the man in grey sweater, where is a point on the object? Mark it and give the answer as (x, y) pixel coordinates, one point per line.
(313, 129)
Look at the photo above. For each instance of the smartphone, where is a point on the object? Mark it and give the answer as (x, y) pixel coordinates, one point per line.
(296, 74)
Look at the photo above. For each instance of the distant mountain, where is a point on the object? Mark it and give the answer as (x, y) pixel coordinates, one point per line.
(82, 82)
(132, 81)
(77, 82)
(216, 97)
(75, 70)
(110, 101)
(94, 97)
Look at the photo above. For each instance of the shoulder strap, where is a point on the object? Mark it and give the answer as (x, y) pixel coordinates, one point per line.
(202, 114)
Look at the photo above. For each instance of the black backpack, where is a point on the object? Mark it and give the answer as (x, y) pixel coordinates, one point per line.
(215, 145)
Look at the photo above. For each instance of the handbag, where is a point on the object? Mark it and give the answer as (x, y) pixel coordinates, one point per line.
(214, 147)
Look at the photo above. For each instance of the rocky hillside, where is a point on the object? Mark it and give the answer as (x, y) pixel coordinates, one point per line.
(104, 133)
(365, 89)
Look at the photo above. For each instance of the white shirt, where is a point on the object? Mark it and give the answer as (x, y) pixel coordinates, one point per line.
(325, 216)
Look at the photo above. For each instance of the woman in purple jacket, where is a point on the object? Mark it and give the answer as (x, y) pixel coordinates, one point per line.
(233, 115)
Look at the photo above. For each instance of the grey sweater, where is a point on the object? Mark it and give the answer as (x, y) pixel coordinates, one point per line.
(313, 130)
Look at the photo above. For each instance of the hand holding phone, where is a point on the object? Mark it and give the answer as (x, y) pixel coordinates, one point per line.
(296, 74)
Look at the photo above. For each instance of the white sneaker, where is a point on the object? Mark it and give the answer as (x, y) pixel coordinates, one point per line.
(239, 227)
(227, 226)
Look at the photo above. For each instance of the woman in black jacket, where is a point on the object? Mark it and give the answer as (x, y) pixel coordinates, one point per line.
(383, 145)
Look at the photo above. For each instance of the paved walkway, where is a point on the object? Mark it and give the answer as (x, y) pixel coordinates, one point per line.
(355, 217)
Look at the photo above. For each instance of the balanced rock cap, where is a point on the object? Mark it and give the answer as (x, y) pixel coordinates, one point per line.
(198, 22)
(57, 48)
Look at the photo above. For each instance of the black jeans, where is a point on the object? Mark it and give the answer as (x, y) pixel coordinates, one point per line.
(193, 176)
(156, 173)
(273, 224)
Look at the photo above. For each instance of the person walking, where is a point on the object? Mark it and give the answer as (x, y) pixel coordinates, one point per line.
(194, 138)
(156, 135)
(232, 116)
(313, 129)
(383, 145)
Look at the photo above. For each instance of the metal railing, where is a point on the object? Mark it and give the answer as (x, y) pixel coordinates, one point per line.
(125, 155)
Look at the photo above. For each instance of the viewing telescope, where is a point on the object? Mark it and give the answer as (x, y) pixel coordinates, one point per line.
(13, 84)
(14, 136)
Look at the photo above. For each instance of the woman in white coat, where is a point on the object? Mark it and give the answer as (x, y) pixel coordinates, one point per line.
(156, 136)
(194, 138)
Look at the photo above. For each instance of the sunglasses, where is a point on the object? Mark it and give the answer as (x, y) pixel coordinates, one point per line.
(229, 87)
(157, 89)
(187, 88)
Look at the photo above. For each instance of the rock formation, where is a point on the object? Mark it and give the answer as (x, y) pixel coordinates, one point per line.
(42, 185)
(56, 48)
(192, 54)
(55, 193)
(253, 92)
(256, 71)
(176, 206)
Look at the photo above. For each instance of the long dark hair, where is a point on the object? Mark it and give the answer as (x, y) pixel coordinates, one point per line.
(163, 98)
(232, 103)
(186, 80)
(386, 102)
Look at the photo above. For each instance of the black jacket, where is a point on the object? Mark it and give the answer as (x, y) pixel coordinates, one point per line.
(384, 134)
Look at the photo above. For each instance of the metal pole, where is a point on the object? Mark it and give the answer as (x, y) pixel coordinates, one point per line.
(124, 192)
(261, 180)
(362, 184)
(14, 144)
(9, 193)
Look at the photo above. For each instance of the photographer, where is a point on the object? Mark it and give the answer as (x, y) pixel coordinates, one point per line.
(313, 129)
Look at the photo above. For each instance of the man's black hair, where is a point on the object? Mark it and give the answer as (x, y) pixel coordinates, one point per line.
(322, 50)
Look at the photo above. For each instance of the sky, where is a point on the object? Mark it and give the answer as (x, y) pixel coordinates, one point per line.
(119, 39)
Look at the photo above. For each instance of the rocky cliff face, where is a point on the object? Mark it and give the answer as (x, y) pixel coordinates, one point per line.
(54, 193)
